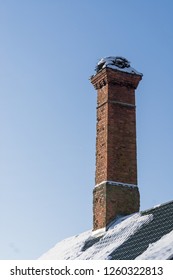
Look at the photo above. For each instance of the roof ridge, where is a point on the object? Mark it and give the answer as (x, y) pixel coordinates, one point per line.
(156, 206)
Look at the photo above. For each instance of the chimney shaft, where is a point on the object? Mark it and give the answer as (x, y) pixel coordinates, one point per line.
(116, 191)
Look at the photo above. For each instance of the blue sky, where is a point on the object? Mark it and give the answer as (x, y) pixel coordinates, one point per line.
(48, 51)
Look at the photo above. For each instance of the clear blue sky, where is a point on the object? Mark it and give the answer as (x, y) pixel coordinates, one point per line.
(48, 51)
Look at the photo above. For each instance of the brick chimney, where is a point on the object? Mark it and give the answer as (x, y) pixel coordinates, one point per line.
(116, 191)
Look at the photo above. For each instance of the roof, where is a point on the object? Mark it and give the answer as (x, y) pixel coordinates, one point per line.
(161, 225)
(144, 235)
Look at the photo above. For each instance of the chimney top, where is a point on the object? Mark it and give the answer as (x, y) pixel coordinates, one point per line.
(118, 63)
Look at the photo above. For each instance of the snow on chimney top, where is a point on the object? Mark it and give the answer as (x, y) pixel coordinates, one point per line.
(117, 63)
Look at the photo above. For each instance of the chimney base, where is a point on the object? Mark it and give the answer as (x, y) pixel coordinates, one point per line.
(111, 199)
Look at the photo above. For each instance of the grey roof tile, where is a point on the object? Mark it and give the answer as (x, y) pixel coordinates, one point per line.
(161, 224)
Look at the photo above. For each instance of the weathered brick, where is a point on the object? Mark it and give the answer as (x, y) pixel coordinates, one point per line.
(111, 200)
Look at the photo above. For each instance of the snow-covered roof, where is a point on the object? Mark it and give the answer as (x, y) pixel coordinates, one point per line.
(161, 249)
(144, 235)
(116, 63)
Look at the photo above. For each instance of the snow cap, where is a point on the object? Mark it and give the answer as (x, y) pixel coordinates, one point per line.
(117, 63)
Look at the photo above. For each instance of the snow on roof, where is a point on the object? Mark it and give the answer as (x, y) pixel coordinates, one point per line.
(145, 235)
(117, 63)
(68, 248)
(160, 250)
(73, 248)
